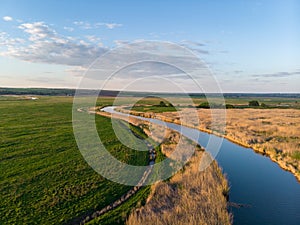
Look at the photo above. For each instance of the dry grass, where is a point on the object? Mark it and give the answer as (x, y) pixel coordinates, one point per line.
(274, 132)
(189, 197)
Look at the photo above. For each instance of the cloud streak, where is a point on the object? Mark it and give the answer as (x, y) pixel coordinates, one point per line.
(196, 47)
(277, 75)
(87, 26)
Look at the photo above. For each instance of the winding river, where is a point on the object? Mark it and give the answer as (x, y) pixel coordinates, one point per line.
(271, 194)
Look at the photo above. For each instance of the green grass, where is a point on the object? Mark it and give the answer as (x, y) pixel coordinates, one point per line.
(156, 105)
(296, 155)
(151, 104)
(44, 179)
(155, 109)
(119, 215)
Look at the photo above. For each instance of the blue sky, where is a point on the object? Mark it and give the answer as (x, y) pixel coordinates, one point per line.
(251, 46)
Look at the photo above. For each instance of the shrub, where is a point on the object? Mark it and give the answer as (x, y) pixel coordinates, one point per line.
(162, 104)
(207, 105)
(254, 103)
(204, 105)
(263, 105)
(229, 106)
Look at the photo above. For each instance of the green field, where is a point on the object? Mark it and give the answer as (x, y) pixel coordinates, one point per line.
(44, 178)
(150, 104)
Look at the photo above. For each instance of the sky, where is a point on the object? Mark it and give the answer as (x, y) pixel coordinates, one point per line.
(249, 46)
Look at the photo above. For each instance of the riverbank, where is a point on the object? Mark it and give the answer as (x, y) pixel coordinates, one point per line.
(206, 192)
(267, 132)
(190, 196)
(262, 192)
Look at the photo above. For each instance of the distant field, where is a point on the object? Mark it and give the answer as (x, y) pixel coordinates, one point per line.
(269, 102)
(281, 100)
(44, 179)
(149, 104)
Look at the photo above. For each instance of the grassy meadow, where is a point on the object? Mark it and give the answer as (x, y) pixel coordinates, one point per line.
(44, 179)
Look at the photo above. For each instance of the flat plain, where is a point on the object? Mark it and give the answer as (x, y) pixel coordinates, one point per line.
(44, 178)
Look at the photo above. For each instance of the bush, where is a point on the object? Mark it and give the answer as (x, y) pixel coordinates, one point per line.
(254, 103)
(207, 105)
(204, 105)
(229, 106)
(162, 104)
(263, 105)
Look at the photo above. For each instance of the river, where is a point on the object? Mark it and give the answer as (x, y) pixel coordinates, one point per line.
(271, 194)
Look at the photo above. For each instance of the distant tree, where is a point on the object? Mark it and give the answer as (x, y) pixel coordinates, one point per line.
(263, 105)
(229, 106)
(212, 105)
(162, 104)
(254, 103)
(204, 105)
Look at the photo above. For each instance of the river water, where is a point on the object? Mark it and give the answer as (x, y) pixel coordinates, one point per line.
(271, 195)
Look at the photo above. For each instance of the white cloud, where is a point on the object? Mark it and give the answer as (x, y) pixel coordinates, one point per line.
(93, 38)
(83, 25)
(87, 26)
(69, 29)
(8, 42)
(37, 30)
(112, 25)
(7, 18)
(45, 45)
(121, 42)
